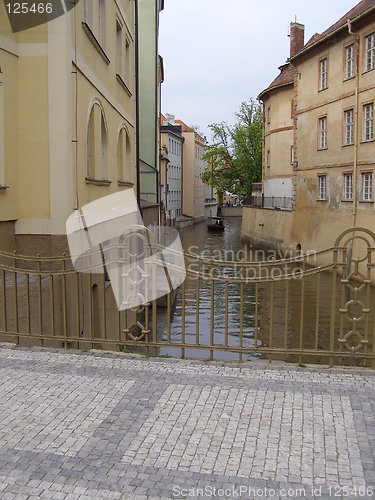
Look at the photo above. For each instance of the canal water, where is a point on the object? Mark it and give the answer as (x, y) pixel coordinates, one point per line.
(279, 327)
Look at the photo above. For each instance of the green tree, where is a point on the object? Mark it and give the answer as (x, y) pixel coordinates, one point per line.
(235, 157)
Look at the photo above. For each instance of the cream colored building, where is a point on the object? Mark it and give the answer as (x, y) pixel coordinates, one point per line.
(193, 189)
(319, 138)
(67, 119)
(149, 77)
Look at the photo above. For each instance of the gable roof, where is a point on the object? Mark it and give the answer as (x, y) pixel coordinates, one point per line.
(357, 11)
(286, 76)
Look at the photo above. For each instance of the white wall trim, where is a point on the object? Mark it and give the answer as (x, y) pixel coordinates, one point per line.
(8, 45)
(22, 49)
(60, 120)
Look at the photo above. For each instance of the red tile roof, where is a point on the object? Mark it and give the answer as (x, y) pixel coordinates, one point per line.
(286, 77)
(361, 8)
(184, 127)
(313, 39)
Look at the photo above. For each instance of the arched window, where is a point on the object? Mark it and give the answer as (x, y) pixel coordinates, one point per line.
(97, 143)
(124, 156)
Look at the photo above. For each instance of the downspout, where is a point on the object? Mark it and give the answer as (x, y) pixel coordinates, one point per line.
(75, 140)
(356, 126)
(263, 145)
(136, 64)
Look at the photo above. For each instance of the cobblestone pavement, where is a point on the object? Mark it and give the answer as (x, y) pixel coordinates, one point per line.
(84, 425)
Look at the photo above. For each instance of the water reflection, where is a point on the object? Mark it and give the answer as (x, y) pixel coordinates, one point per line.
(274, 314)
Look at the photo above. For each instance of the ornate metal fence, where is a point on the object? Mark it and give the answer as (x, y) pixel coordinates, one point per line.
(316, 307)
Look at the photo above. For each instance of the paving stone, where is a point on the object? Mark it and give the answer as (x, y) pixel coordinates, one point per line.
(77, 425)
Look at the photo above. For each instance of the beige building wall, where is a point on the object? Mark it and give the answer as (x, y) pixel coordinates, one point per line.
(200, 165)
(53, 76)
(188, 174)
(315, 223)
(193, 191)
(278, 137)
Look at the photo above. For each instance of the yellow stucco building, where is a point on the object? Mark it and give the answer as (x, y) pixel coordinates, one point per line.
(319, 139)
(193, 188)
(67, 119)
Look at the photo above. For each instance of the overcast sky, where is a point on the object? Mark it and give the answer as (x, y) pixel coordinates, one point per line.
(218, 53)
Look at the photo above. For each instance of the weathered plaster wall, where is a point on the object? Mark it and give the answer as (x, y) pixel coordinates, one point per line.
(7, 239)
(269, 228)
(231, 211)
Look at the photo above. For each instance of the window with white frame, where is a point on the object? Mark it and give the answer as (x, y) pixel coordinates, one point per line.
(323, 72)
(102, 22)
(368, 111)
(89, 12)
(348, 186)
(322, 187)
(323, 132)
(367, 186)
(370, 52)
(2, 136)
(127, 61)
(95, 18)
(349, 127)
(349, 59)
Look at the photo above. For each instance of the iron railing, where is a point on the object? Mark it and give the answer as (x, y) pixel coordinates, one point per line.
(270, 202)
(316, 307)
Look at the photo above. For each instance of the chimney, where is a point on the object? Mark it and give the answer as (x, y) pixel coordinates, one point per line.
(297, 38)
(170, 119)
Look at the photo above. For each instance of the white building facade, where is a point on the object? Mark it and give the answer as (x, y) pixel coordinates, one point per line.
(171, 189)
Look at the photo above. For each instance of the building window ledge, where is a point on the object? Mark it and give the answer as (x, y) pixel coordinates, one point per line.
(322, 149)
(350, 78)
(3, 188)
(347, 200)
(322, 199)
(125, 183)
(349, 144)
(98, 182)
(368, 71)
(95, 42)
(322, 90)
(123, 84)
(366, 201)
(368, 140)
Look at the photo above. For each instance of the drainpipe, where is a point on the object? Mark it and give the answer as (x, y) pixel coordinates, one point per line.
(356, 125)
(137, 94)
